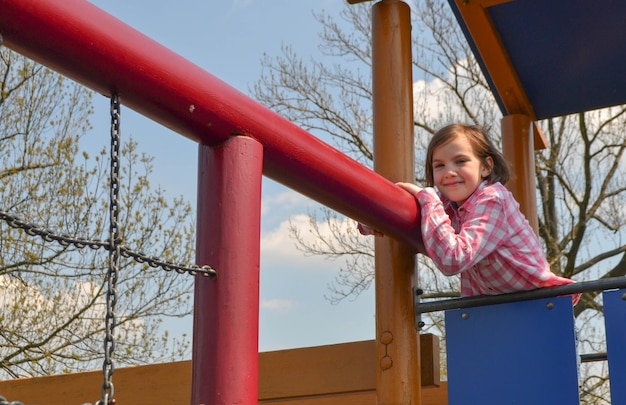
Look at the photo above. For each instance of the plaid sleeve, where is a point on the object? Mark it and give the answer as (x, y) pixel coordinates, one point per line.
(482, 231)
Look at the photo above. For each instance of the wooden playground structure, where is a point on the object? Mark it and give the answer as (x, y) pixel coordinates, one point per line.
(329, 375)
(241, 141)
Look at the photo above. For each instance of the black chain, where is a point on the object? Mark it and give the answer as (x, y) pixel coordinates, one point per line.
(116, 250)
(115, 239)
(14, 221)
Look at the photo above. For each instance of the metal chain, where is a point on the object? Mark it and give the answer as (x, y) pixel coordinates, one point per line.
(116, 250)
(14, 221)
(115, 239)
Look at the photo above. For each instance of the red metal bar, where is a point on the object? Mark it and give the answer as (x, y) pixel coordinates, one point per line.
(226, 308)
(95, 49)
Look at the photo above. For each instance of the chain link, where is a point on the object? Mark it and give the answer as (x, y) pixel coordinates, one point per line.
(115, 240)
(116, 250)
(14, 221)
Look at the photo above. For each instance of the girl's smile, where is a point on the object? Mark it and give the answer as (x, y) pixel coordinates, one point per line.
(457, 171)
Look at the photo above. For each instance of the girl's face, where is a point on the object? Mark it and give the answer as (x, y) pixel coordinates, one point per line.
(457, 171)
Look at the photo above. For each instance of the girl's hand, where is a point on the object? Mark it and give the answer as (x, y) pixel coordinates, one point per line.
(368, 230)
(410, 187)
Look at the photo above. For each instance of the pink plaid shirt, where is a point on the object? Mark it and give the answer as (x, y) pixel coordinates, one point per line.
(487, 240)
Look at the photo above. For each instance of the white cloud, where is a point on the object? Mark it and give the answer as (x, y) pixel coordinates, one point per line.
(282, 202)
(427, 98)
(435, 101)
(278, 247)
(38, 301)
(293, 309)
(278, 305)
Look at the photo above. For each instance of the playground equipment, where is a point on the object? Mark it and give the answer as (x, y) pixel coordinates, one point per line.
(531, 52)
(240, 140)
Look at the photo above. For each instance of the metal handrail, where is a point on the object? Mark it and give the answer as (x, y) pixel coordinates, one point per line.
(547, 292)
(591, 357)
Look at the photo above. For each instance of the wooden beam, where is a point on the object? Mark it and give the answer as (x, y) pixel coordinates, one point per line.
(342, 374)
(429, 360)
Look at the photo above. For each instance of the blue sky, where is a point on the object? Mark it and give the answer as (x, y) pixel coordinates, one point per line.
(228, 39)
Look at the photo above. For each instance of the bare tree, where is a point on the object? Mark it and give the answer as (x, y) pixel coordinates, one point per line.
(54, 295)
(579, 178)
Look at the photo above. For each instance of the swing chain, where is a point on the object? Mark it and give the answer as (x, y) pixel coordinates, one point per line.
(48, 235)
(116, 250)
(114, 254)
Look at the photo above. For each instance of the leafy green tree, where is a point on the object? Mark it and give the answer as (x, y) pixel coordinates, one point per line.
(580, 178)
(53, 297)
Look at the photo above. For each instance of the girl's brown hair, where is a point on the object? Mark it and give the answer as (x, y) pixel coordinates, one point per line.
(481, 145)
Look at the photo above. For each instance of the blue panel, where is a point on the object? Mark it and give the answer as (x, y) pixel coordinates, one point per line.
(615, 324)
(569, 55)
(521, 353)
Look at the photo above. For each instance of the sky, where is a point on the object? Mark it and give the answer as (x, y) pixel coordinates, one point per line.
(228, 38)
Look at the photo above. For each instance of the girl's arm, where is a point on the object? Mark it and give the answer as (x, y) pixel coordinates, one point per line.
(410, 187)
(482, 232)
(368, 230)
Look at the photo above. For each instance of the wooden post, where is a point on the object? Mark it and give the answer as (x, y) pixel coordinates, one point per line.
(518, 149)
(226, 308)
(397, 345)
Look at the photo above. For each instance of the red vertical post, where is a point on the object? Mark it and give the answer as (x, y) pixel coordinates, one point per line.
(226, 308)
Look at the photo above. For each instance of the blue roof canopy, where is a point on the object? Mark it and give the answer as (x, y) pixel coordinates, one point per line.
(567, 56)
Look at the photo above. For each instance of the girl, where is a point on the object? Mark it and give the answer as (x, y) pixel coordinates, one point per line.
(471, 224)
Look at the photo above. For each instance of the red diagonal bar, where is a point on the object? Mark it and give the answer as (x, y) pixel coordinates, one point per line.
(95, 49)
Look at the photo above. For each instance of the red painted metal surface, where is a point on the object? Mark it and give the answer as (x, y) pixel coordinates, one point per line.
(226, 308)
(95, 49)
